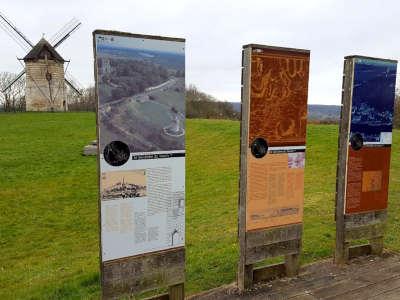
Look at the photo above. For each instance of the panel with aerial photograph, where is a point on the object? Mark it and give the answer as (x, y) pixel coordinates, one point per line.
(140, 82)
(141, 93)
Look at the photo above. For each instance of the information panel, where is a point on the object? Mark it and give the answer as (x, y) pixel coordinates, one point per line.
(370, 138)
(277, 121)
(141, 139)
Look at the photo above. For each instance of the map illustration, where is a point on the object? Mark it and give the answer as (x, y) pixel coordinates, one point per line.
(141, 93)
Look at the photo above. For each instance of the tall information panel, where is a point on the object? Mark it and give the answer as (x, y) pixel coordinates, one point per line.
(365, 140)
(140, 84)
(272, 160)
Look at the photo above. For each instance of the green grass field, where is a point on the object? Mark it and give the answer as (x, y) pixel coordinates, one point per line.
(48, 207)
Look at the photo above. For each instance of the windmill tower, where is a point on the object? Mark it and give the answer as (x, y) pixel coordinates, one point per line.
(46, 78)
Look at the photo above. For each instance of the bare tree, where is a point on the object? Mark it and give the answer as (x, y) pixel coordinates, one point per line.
(14, 98)
(84, 102)
(204, 106)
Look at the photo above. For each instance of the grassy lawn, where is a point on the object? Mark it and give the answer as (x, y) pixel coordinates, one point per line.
(48, 207)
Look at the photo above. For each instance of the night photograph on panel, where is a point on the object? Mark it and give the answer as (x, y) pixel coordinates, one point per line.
(373, 96)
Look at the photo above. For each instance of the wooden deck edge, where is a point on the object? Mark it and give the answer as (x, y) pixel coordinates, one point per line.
(232, 287)
(164, 296)
(226, 287)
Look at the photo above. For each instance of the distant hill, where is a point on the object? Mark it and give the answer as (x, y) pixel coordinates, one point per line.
(323, 112)
(316, 112)
(236, 106)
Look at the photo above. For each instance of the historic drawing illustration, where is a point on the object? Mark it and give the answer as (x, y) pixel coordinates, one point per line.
(296, 160)
(373, 99)
(123, 184)
(278, 105)
(141, 93)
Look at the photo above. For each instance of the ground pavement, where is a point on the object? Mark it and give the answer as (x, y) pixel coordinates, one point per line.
(368, 277)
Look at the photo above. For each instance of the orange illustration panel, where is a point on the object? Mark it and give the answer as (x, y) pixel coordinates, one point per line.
(275, 190)
(367, 179)
(278, 96)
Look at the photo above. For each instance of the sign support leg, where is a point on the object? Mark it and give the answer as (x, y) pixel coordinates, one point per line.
(245, 276)
(177, 292)
(292, 264)
(376, 245)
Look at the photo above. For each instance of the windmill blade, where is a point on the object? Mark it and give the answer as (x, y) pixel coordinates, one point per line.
(67, 35)
(58, 33)
(15, 33)
(14, 36)
(73, 80)
(70, 28)
(70, 24)
(13, 81)
(73, 84)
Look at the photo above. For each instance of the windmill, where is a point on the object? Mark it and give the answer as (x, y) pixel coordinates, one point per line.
(46, 78)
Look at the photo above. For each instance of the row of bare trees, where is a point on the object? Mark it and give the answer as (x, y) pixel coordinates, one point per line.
(84, 102)
(198, 104)
(13, 99)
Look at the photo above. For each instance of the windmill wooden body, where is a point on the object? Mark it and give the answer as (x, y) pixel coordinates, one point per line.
(46, 76)
(45, 85)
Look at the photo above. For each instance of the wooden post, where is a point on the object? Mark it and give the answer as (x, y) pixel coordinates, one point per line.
(341, 252)
(245, 273)
(177, 292)
(292, 264)
(376, 245)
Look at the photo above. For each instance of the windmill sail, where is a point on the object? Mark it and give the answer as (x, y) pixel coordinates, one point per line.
(65, 32)
(15, 33)
(56, 36)
(73, 83)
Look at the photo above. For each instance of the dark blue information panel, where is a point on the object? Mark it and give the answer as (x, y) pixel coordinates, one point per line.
(373, 99)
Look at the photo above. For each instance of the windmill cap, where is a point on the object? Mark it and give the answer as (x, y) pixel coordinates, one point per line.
(40, 49)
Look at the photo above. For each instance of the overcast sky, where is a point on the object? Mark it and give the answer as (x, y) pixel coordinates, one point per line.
(215, 32)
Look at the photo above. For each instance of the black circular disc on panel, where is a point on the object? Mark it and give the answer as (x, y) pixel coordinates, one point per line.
(259, 147)
(356, 141)
(116, 153)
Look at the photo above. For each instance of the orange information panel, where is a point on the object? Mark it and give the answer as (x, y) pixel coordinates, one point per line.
(275, 190)
(277, 121)
(367, 179)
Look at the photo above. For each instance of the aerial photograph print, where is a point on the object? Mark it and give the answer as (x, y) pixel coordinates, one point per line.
(137, 76)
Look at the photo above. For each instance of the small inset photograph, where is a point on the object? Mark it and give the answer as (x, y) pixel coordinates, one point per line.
(371, 181)
(123, 184)
(296, 160)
